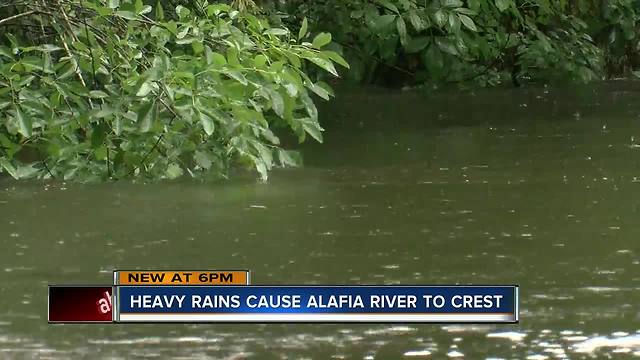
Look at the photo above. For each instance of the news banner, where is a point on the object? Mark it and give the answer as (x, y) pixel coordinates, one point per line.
(228, 296)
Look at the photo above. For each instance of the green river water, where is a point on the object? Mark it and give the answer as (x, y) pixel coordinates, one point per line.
(538, 187)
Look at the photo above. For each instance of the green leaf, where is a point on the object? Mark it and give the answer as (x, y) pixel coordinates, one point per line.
(117, 126)
(103, 113)
(182, 11)
(452, 3)
(277, 31)
(145, 10)
(289, 158)
(381, 22)
(113, 3)
(24, 122)
(98, 135)
(323, 63)
(416, 21)
(277, 103)
(32, 63)
(454, 23)
(310, 106)
(416, 44)
(9, 168)
(465, 11)
(312, 128)
(144, 89)
(47, 64)
(294, 59)
(440, 17)
(104, 11)
(262, 169)
(206, 122)
(467, 22)
(388, 5)
(236, 75)
(197, 47)
(216, 9)
(318, 90)
(303, 29)
(5, 51)
(27, 171)
(146, 116)
(98, 94)
(100, 153)
(159, 11)
(183, 32)
(43, 48)
(503, 5)
(216, 59)
(447, 46)
(321, 40)
(232, 56)
(129, 15)
(174, 171)
(402, 30)
(265, 154)
(269, 135)
(335, 57)
(433, 58)
(259, 61)
(202, 159)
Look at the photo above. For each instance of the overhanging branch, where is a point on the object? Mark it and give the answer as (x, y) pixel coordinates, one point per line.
(17, 16)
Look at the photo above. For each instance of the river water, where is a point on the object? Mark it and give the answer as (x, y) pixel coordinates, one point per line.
(534, 186)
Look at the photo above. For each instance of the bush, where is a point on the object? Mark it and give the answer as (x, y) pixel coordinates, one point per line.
(110, 89)
(485, 42)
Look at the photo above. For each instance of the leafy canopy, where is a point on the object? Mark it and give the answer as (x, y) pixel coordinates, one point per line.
(99, 89)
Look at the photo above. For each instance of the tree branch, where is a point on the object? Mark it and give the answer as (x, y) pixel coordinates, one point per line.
(17, 16)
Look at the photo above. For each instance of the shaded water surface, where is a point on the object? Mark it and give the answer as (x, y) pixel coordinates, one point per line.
(536, 187)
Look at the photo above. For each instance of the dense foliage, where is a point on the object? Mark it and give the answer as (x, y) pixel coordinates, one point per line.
(109, 89)
(399, 42)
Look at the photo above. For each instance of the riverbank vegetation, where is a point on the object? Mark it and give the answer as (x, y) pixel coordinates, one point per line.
(111, 89)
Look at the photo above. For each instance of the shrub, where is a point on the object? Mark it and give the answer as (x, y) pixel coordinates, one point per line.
(110, 89)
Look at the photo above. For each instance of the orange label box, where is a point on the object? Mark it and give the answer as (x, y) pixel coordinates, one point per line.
(210, 277)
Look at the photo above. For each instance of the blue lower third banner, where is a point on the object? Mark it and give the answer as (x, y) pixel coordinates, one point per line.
(323, 304)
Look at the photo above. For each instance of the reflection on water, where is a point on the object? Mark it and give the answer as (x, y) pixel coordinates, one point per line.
(534, 187)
